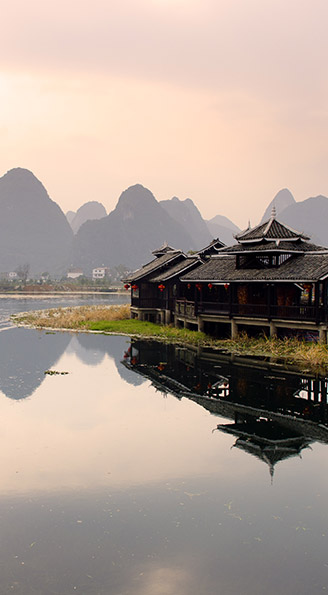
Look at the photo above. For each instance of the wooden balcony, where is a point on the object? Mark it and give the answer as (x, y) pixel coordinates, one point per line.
(153, 303)
(148, 303)
(185, 308)
(193, 309)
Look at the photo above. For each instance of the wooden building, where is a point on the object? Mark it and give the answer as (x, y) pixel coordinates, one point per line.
(272, 279)
(155, 287)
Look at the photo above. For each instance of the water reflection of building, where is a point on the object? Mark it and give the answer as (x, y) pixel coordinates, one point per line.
(276, 414)
(267, 440)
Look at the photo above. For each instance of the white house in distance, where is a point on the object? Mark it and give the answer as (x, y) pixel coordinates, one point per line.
(100, 273)
(11, 276)
(74, 273)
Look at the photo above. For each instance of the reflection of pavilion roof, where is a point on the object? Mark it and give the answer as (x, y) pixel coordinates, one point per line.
(266, 440)
(273, 428)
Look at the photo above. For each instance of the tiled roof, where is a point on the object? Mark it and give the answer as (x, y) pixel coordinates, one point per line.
(280, 246)
(154, 265)
(163, 249)
(174, 270)
(215, 245)
(305, 267)
(271, 229)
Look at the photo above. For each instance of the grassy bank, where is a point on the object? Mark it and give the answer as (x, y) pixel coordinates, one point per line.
(116, 319)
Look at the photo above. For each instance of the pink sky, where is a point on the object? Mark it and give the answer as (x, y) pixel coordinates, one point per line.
(222, 101)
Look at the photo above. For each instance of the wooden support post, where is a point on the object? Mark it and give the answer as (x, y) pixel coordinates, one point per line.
(234, 329)
(273, 329)
(200, 324)
(322, 335)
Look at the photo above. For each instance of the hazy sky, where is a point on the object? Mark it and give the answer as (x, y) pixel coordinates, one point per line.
(222, 101)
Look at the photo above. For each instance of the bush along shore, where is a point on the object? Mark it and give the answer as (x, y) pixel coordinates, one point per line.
(116, 320)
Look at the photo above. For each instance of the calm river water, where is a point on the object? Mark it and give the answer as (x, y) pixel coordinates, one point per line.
(116, 479)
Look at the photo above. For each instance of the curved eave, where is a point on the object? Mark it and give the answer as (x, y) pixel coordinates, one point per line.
(176, 274)
(267, 281)
(271, 251)
(265, 228)
(266, 239)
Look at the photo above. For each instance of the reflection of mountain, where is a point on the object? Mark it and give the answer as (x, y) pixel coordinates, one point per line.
(88, 348)
(275, 414)
(91, 349)
(25, 356)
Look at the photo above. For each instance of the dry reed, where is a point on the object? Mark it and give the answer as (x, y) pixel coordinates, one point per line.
(72, 317)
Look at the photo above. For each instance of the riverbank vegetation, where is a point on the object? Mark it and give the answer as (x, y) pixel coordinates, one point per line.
(116, 319)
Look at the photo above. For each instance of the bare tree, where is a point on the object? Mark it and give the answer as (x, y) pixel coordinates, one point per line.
(23, 271)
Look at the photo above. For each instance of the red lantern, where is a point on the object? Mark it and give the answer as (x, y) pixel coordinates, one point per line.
(161, 287)
(188, 286)
(134, 287)
(199, 286)
(210, 285)
(226, 285)
(126, 286)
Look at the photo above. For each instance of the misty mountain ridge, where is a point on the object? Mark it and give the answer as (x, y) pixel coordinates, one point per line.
(186, 213)
(129, 233)
(35, 231)
(280, 202)
(309, 216)
(33, 228)
(87, 212)
(221, 227)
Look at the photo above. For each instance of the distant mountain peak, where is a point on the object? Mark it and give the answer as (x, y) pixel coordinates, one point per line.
(33, 229)
(134, 197)
(280, 202)
(89, 211)
(22, 180)
(20, 171)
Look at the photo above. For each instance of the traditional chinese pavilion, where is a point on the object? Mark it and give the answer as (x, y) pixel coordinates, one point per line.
(272, 279)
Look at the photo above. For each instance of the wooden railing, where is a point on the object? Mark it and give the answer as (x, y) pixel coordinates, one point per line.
(214, 307)
(154, 303)
(186, 309)
(148, 303)
(309, 313)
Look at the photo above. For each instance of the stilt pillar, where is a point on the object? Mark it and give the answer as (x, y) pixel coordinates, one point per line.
(234, 329)
(167, 316)
(273, 329)
(200, 324)
(322, 335)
